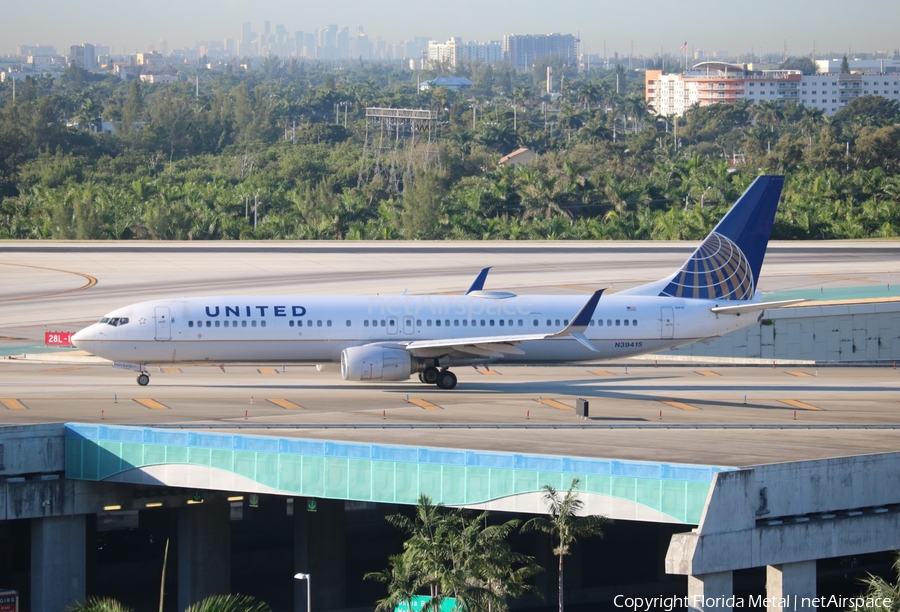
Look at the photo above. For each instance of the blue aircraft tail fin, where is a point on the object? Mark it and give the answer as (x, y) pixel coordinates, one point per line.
(726, 266)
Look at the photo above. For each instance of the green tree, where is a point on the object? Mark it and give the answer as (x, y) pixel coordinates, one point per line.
(845, 66)
(421, 215)
(564, 524)
(229, 603)
(450, 553)
(98, 604)
(880, 590)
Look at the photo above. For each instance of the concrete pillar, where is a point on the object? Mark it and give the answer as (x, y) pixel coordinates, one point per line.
(791, 587)
(711, 592)
(204, 552)
(319, 550)
(57, 562)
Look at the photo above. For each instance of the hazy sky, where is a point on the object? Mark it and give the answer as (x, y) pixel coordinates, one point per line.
(651, 24)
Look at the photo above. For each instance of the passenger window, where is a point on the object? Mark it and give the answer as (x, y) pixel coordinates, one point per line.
(626, 322)
(565, 321)
(557, 322)
(465, 322)
(262, 323)
(428, 322)
(328, 323)
(482, 323)
(290, 323)
(447, 322)
(591, 323)
(438, 322)
(549, 322)
(318, 323)
(309, 323)
(521, 323)
(609, 322)
(617, 322)
(535, 322)
(634, 322)
(418, 322)
(502, 323)
(382, 323)
(492, 322)
(209, 323)
(455, 322)
(190, 323)
(252, 323)
(243, 324)
(348, 322)
(366, 323)
(600, 322)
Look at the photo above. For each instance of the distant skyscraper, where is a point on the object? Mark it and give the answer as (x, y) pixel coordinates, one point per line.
(83, 56)
(246, 45)
(523, 50)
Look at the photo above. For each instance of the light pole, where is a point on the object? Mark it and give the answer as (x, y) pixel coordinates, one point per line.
(308, 589)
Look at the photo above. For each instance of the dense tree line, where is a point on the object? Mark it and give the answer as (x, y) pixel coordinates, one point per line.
(278, 152)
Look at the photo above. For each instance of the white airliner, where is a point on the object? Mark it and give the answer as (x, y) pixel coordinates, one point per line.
(392, 337)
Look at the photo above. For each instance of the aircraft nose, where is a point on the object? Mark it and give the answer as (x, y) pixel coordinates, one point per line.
(80, 336)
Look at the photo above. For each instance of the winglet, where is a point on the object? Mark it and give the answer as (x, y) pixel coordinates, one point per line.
(478, 283)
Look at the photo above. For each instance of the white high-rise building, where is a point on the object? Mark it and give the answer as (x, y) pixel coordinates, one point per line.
(721, 83)
(455, 51)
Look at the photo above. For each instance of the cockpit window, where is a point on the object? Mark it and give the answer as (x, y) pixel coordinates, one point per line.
(104, 320)
(123, 321)
(114, 321)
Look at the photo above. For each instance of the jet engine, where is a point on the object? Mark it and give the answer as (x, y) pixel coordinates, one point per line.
(375, 363)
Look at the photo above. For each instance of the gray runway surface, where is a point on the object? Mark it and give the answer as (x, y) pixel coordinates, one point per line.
(64, 286)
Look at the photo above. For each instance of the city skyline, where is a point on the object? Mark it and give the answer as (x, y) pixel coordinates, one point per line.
(604, 27)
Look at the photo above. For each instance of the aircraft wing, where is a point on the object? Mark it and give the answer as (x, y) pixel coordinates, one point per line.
(497, 346)
(753, 307)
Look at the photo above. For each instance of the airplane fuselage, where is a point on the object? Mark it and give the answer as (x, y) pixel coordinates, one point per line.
(316, 329)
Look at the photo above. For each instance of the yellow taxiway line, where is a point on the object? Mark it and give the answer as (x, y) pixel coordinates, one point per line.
(553, 403)
(800, 405)
(423, 403)
(286, 404)
(13, 404)
(679, 405)
(152, 404)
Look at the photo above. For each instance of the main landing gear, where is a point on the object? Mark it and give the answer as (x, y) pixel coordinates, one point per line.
(143, 379)
(444, 379)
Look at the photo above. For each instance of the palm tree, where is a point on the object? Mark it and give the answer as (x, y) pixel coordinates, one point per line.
(880, 590)
(402, 584)
(564, 524)
(229, 603)
(98, 604)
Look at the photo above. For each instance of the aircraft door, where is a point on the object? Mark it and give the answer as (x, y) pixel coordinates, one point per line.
(392, 325)
(667, 322)
(408, 325)
(163, 323)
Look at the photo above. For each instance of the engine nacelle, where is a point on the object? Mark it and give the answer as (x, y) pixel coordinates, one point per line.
(375, 363)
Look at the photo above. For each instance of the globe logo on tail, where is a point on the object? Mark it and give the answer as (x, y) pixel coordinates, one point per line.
(718, 270)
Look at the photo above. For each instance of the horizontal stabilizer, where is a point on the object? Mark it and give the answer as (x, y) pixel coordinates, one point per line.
(753, 307)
